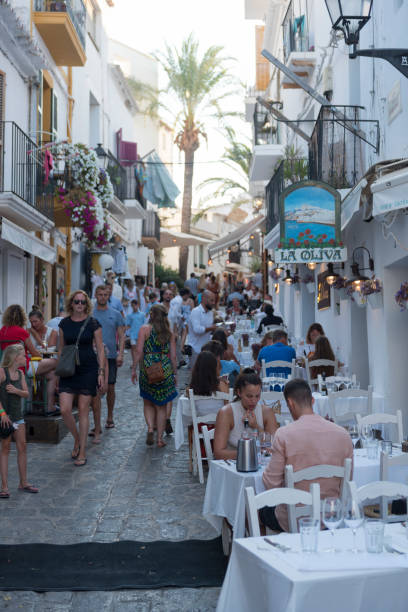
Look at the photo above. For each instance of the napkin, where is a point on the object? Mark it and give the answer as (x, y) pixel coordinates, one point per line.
(397, 543)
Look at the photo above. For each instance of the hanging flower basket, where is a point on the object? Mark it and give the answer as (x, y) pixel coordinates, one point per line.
(375, 300)
(83, 209)
(359, 299)
(401, 297)
(311, 287)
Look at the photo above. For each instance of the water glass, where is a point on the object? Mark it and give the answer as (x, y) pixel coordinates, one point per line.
(265, 440)
(374, 535)
(386, 447)
(372, 449)
(309, 529)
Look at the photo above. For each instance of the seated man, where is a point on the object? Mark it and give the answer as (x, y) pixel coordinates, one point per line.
(309, 440)
(276, 349)
(269, 318)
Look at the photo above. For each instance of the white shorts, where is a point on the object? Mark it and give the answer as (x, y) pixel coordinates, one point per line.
(32, 368)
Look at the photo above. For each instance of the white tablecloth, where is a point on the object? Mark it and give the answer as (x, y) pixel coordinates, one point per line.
(224, 494)
(262, 579)
(321, 404)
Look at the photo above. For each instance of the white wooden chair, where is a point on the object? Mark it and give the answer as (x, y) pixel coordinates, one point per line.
(386, 462)
(382, 418)
(209, 417)
(274, 497)
(344, 417)
(317, 363)
(268, 328)
(208, 436)
(318, 471)
(379, 488)
(276, 396)
(278, 364)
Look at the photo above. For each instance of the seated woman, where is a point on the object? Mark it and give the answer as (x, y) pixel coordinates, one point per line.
(314, 331)
(323, 350)
(221, 337)
(229, 425)
(14, 330)
(205, 380)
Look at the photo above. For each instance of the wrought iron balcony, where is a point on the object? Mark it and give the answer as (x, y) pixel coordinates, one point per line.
(23, 174)
(336, 149)
(295, 29)
(118, 176)
(151, 230)
(62, 25)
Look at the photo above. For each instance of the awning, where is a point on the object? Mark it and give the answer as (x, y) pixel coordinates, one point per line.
(233, 237)
(271, 239)
(170, 238)
(159, 187)
(26, 241)
(390, 192)
(351, 202)
(117, 227)
(236, 267)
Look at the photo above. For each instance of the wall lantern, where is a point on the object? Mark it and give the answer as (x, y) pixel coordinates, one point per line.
(210, 262)
(288, 279)
(311, 265)
(278, 270)
(103, 157)
(350, 16)
(358, 278)
(331, 275)
(270, 261)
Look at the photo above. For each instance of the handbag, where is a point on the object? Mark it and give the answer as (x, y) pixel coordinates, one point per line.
(69, 357)
(6, 431)
(155, 373)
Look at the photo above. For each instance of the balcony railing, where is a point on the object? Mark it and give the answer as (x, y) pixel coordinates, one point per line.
(75, 9)
(288, 172)
(22, 169)
(151, 226)
(336, 149)
(266, 131)
(118, 177)
(295, 30)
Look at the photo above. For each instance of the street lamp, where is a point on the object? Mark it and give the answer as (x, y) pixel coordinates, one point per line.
(331, 275)
(350, 16)
(102, 156)
(288, 279)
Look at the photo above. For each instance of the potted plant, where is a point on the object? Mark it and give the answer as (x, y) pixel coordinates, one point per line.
(59, 6)
(340, 287)
(401, 297)
(372, 289)
(356, 296)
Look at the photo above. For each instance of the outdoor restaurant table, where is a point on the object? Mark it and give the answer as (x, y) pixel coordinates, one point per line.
(224, 494)
(261, 578)
(343, 405)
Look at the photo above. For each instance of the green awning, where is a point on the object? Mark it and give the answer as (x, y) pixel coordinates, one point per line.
(159, 188)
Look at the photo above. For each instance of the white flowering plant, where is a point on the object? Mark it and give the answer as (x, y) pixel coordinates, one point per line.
(90, 193)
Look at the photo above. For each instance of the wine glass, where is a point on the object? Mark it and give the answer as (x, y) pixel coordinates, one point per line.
(265, 440)
(332, 515)
(353, 518)
(366, 433)
(354, 434)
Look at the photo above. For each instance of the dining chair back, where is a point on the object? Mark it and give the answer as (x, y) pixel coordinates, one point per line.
(313, 473)
(278, 364)
(387, 462)
(383, 418)
(268, 328)
(209, 417)
(319, 363)
(208, 436)
(379, 489)
(273, 497)
(342, 417)
(271, 397)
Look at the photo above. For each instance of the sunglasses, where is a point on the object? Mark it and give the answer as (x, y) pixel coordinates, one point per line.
(83, 302)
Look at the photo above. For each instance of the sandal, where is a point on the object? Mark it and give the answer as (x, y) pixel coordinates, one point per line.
(75, 452)
(4, 494)
(150, 438)
(92, 433)
(109, 425)
(96, 441)
(80, 462)
(161, 443)
(28, 489)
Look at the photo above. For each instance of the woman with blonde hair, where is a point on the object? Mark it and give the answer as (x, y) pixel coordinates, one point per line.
(13, 388)
(88, 376)
(156, 350)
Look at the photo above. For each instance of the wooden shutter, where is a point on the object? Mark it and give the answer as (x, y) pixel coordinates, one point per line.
(262, 64)
(54, 115)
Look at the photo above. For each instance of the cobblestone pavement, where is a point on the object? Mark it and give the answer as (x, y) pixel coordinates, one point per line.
(126, 491)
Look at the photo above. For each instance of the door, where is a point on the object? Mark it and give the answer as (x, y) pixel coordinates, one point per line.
(16, 281)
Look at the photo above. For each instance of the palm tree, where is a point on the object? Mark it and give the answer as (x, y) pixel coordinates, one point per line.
(237, 156)
(198, 85)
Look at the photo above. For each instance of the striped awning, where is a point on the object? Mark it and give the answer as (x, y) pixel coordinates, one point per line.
(246, 229)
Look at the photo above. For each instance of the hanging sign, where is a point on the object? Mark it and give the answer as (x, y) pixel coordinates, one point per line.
(310, 224)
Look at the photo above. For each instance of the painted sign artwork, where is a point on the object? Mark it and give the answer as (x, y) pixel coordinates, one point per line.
(310, 223)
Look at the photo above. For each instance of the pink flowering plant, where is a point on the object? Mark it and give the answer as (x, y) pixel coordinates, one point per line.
(306, 239)
(401, 297)
(85, 210)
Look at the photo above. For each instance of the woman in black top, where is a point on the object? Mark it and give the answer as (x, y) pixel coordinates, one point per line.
(270, 318)
(88, 376)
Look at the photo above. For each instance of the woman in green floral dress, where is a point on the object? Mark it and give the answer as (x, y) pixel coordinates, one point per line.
(156, 344)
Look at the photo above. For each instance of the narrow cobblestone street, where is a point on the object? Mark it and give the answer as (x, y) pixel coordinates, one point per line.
(126, 491)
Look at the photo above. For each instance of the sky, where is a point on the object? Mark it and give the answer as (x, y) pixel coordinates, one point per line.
(146, 25)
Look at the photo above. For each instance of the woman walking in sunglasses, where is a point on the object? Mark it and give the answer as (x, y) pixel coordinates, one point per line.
(88, 374)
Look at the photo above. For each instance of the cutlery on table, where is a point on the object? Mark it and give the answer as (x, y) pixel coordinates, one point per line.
(280, 547)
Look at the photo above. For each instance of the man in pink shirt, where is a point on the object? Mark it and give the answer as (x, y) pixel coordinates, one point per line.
(309, 440)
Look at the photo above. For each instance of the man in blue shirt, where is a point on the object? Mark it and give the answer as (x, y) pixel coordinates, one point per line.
(277, 350)
(113, 333)
(113, 301)
(134, 322)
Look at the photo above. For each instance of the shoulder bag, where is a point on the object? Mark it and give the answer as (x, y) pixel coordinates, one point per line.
(69, 357)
